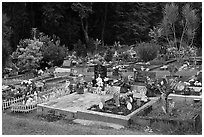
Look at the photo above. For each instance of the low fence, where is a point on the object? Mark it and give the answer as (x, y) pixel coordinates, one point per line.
(23, 108)
(47, 96)
(7, 104)
(22, 77)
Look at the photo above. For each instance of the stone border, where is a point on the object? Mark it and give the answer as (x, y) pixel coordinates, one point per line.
(114, 118)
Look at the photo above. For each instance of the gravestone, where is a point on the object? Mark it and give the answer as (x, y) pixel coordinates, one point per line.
(140, 76)
(66, 64)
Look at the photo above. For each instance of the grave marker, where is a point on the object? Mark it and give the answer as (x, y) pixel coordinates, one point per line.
(66, 64)
(140, 76)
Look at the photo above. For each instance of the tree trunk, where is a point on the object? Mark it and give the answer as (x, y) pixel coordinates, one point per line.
(104, 24)
(85, 30)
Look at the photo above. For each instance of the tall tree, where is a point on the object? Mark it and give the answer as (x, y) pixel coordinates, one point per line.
(6, 33)
(135, 20)
(104, 23)
(84, 9)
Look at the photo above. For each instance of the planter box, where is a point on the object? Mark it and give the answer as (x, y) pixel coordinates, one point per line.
(18, 107)
(69, 105)
(114, 118)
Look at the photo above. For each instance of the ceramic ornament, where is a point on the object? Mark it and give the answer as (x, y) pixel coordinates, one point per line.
(101, 105)
(129, 106)
(131, 100)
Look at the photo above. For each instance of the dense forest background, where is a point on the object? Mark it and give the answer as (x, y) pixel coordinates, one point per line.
(128, 23)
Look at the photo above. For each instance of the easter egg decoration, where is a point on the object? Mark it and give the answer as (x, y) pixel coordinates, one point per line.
(129, 106)
(101, 105)
(131, 100)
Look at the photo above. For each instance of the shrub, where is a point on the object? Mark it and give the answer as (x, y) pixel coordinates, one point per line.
(28, 55)
(147, 51)
(91, 46)
(54, 53)
(80, 49)
(108, 55)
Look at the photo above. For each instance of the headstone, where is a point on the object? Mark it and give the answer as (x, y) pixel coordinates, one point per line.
(66, 64)
(116, 97)
(140, 76)
(129, 106)
(101, 105)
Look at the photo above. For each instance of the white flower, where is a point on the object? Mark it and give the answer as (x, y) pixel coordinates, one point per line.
(106, 79)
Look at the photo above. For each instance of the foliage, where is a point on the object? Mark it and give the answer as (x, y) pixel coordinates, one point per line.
(84, 9)
(31, 52)
(108, 55)
(174, 21)
(92, 45)
(118, 21)
(19, 21)
(155, 33)
(135, 19)
(125, 56)
(6, 33)
(54, 53)
(80, 49)
(147, 51)
(28, 54)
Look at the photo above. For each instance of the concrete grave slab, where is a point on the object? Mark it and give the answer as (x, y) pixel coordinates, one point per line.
(70, 104)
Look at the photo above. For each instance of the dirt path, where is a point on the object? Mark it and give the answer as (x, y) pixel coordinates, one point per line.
(30, 124)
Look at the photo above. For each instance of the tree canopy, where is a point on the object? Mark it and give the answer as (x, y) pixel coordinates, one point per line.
(127, 22)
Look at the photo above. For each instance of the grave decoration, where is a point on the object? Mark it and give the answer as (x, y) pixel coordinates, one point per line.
(120, 104)
(26, 88)
(152, 88)
(141, 75)
(195, 81)
(80, 86)
(123, 102)
(115, 71)
(100, 69)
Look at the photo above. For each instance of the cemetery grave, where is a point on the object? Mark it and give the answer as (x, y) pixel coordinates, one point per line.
(182, 114)
(152, 74)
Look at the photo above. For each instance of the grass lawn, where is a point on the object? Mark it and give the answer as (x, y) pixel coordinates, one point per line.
(30, 124)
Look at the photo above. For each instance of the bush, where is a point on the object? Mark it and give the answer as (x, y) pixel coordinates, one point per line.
(147, 51)
(54, 53)
(91, 46)
(80, 49)
(28, 55)
(108, 55)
